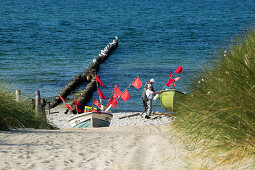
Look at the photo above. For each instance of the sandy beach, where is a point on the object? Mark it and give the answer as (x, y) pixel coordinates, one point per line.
(132, 143)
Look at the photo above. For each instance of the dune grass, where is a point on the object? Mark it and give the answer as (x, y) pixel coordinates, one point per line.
(219, 115)
(15, 114)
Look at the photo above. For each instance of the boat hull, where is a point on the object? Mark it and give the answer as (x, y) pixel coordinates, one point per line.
(170, 98)
(91, 119)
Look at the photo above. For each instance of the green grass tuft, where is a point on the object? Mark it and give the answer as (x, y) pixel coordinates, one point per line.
(15, 114)
(219, 115)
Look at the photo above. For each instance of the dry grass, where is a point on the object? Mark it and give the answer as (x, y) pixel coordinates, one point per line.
(219, 115)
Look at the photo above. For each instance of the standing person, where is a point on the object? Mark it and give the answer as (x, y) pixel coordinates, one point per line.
(149, 94)
(144, 97)
(150, 82)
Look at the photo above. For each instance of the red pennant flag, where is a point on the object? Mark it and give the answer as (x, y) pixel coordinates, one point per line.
(79, 110)
(125, 95)
(101, 95)
(98, 80)
(179, 69)
(137, 83)
(177, 78)
(112, 101)
(96, 102)
(117, 90)
(76, 102)
(116, 96)
(170, 81)
(68, 106)
(62, 98)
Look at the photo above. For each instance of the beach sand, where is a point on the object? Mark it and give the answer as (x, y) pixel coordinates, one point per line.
(121, 146)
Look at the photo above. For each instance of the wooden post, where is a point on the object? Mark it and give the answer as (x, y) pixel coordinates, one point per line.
(37, 101)
(48, 107)
(18, 93)
(43, 105)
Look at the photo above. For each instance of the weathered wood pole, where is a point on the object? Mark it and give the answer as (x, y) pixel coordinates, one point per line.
(37, 101)
(48, 107)
(86, 95)
(18, 94)
(43, 104)
(67, 90)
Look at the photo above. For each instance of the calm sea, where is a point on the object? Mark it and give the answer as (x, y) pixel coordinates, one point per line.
(44, 44)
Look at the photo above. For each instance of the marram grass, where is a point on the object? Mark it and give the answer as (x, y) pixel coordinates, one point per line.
(15, 114)
(219, 115)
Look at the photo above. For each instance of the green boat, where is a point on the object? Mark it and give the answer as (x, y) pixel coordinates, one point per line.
(170, 98)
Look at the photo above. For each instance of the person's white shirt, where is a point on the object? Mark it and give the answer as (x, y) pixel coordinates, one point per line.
(149, 94)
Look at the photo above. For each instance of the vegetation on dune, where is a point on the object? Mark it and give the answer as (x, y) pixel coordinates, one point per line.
(15, 114)
(219, 115)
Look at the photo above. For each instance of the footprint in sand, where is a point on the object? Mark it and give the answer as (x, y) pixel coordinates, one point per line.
(45, 161)
(81, 154)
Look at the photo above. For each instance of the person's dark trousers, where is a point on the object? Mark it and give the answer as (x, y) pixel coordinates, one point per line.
(145, 105)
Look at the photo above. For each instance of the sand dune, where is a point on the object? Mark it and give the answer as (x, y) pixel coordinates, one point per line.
(139, 147)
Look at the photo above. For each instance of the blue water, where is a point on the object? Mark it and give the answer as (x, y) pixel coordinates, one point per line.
(44, 44)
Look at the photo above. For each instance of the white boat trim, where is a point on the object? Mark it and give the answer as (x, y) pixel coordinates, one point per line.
(77, 119)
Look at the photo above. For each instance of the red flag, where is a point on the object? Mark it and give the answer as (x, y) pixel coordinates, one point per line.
(98, 80)
(96, 102)
(79, 110)
(170, 81)
(62, 98)
(137, 83)
(68, 106)
(177, 78)
(76, 102)
(125, 95)
(101, 95)
(112, 101)
(117, 90)
(179, 69)
(116, 96)
(171, 75)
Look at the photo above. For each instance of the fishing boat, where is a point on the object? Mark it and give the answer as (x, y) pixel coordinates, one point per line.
(170, 98)
(91, 119)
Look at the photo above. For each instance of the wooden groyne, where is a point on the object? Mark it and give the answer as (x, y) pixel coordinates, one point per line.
(87, 77)
(85, 95)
